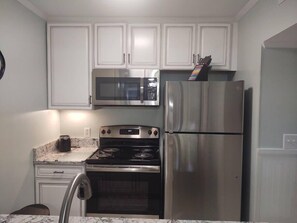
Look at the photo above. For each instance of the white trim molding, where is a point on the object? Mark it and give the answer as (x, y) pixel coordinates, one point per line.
(250, 4)
(34, 9)
(281, 1)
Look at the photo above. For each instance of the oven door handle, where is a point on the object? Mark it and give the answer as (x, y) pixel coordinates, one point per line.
(123, 169)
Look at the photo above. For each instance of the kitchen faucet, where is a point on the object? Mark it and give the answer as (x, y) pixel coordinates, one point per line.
(84, 192)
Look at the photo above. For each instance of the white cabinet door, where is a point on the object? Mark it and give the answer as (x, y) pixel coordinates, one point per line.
(110, 45)
(50, 192)
(178, 46)
(51, 182)
(214, 40)
(144, 45)
(69, 65)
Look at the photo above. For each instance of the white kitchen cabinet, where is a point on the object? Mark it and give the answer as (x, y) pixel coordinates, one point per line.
(215, 40)
(178, 51)
(143, 46)
(183, 45)
(51, 182)
(69, 66)
(110, 45)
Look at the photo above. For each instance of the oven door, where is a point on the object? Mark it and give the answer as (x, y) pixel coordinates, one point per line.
(125, 191)
(126, 87)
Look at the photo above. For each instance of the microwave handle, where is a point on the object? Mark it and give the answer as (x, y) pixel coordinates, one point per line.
(141, 89)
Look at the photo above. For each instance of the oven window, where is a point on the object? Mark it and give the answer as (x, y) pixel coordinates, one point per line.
(117, 88)
(125, 193)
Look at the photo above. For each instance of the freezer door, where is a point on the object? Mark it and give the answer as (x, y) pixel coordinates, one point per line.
(203, 176)
(215, 106)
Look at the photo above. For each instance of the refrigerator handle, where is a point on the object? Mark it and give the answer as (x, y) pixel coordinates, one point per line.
(168, 174)
(173, 106)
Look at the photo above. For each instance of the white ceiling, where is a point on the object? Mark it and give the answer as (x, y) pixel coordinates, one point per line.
(139, 8)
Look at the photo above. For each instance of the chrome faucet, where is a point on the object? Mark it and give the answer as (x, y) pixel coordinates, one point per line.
(84, 192)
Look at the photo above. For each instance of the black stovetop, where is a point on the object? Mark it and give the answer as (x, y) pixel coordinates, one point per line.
(127, 145)
(143, 155)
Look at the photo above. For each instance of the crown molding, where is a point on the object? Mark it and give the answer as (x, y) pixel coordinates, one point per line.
(250, 4)
(34, 9)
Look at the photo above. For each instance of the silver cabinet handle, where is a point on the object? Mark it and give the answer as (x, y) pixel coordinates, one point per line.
(59, 171)
(129, 58)
(124, 58)
(198, 58)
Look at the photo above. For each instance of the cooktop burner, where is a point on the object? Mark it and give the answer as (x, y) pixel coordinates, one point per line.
(131, 145)
(110, 150)
(143, 155)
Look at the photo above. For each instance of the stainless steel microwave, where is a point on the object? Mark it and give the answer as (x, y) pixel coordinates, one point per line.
(136, 87)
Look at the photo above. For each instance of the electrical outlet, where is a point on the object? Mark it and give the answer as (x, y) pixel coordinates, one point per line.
(87, 132)
(290, 141)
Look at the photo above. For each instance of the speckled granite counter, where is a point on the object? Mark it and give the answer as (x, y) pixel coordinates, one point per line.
(54, 219)
(81, 149)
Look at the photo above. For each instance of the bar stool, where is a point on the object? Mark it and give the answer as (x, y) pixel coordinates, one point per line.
(33, 209)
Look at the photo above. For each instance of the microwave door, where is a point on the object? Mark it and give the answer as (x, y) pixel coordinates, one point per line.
(117, 90)
(122, 87)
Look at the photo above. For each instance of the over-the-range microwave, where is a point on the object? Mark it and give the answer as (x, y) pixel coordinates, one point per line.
(136, 87)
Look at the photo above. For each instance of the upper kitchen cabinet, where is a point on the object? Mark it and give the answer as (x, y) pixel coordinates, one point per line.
(183, 45)
(69, 66)
(140, 50)
(178, 50)
(143, 46)
(215, 40)
(110, 46)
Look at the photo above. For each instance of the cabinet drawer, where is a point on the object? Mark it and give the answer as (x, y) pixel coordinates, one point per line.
(58, 171)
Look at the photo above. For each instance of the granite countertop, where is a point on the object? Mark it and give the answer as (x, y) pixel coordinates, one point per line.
(55, 219)
(81, 149)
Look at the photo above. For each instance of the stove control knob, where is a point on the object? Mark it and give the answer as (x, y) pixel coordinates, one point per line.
(155, 132)
(103, 131)
(149, 132)
(108, 131)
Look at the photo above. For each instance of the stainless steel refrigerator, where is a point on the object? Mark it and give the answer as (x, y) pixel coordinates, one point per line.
(203, 150)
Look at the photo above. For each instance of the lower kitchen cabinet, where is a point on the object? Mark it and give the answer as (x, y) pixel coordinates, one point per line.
(51, 182)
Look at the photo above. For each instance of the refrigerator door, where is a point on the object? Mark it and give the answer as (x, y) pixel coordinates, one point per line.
(203, 176)
(209, 107)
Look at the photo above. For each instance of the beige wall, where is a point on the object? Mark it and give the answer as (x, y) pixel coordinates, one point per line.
(266, 19)
(24, 120)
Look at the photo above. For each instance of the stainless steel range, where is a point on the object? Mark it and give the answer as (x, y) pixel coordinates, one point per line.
(125, 173)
